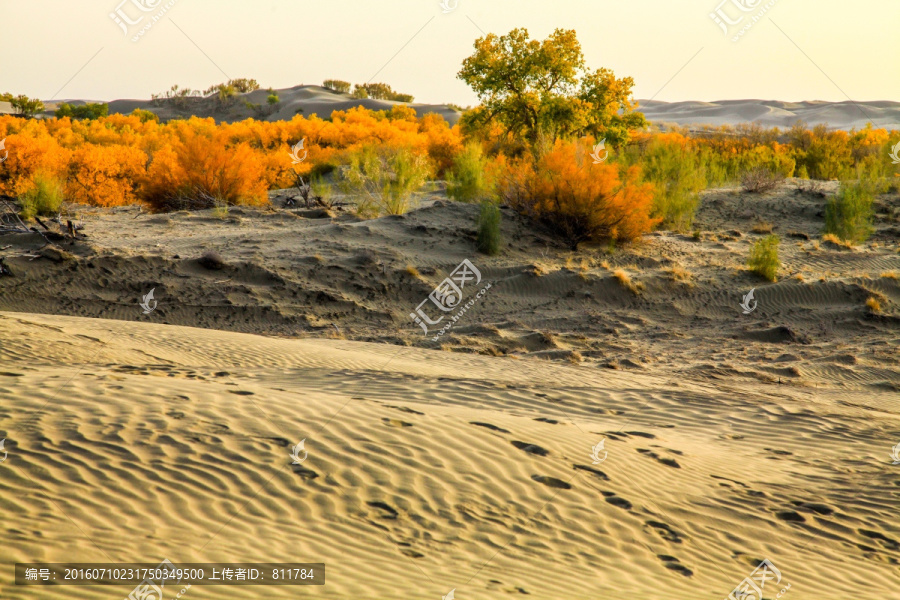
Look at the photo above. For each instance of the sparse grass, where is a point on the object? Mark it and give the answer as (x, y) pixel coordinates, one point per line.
(889, 275)
(679, 273)
(625, 279)
(697, 235)
(44, 199)
(220, 211)
(605, 264)
(874, 305)
(575, 357)
(830, 237)
(413, 272)
(763, 258)
(762, 227)
(800, 277)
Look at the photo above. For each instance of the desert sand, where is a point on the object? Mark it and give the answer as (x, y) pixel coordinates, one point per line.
(774, 113)
(464, 464)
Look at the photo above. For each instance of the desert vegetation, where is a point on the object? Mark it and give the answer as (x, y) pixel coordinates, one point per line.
(561, 143)
(490, 240)
(763, 259)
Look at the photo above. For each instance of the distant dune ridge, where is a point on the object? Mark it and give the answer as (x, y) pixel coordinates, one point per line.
(315, 99)
(774, 113)
(311, 99)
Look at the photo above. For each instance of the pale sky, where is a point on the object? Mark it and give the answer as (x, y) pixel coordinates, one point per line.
(798, 50)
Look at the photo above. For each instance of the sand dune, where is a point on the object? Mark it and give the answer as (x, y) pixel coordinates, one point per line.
(774, 113)
(302, 99)
(430, 471)
(466, 463)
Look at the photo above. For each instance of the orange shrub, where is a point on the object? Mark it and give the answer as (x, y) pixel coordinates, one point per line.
(105, 175)
(579, 200)
(29, 154)
(202, 170)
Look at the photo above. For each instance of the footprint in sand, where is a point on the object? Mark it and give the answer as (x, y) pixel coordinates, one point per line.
(304, 472)
(819, 509)
(530, 448)
(406, 410)
(617, 501)
(595, 472)
(395, 422)
(669, 462)
(387, 511)
(791, 516)
(489, 426)
(673, 563)
(884, 540)
(664, 531)
(552, 482)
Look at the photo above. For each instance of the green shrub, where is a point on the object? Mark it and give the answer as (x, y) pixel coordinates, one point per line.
(384, 178)
(850, 212)
(273, 98)
(224, 93)
(145, 115)
(89, 111)
(489, 238)
(44, 199)
(678, 176)
(764, 257)
(466, 181)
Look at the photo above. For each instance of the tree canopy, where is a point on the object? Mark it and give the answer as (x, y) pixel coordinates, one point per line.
(542, 90)
(28, 107)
